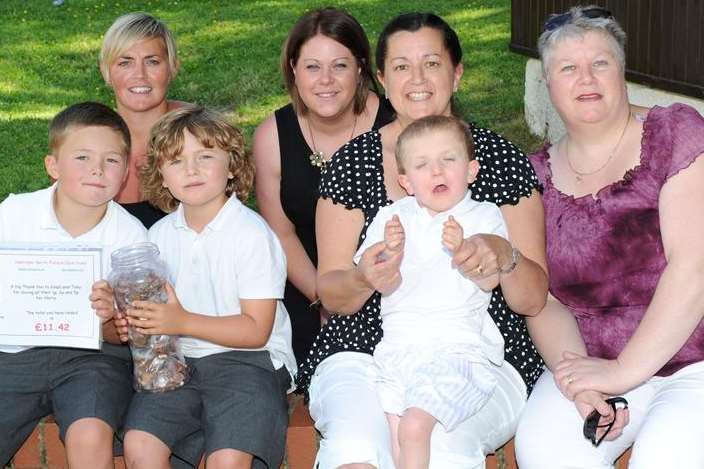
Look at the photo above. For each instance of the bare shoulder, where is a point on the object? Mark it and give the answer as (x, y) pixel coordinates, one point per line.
(265, 143)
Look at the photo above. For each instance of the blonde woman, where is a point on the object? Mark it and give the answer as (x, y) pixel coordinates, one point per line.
(138, 60)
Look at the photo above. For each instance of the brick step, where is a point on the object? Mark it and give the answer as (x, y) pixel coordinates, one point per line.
(43, 449)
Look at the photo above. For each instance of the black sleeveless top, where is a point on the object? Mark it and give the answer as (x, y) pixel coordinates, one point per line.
(299, 196)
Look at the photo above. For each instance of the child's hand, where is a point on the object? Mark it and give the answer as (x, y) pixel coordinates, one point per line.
(121, 326)
(159, 318)
(394, 237)
(452, 234)
(102, 300)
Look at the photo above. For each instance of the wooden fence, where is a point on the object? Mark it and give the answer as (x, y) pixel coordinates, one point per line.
(665, 46)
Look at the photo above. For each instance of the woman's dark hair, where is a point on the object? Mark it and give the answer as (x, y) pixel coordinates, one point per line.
(339, 26)
(412, 22)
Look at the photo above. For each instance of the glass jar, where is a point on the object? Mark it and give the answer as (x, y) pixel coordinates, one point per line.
(139, 275)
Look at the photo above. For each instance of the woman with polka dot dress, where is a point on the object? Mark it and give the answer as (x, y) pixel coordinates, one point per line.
(419, 61)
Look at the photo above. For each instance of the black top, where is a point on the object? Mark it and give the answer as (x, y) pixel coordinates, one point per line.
(144, 212)
(299, 196)
(355, 179)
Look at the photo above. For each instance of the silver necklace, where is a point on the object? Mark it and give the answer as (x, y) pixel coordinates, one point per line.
(579, 175)
(317, 158)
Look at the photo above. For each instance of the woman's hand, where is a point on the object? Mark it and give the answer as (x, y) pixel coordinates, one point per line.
(380, 273)
(481, 255)
(577, 373)
(587, 401)
(158, 318)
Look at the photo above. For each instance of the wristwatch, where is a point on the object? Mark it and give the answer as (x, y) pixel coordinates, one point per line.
(515, 257)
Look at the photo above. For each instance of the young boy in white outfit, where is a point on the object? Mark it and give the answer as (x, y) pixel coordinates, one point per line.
(228, 273)
(87, 391)
(435, 358)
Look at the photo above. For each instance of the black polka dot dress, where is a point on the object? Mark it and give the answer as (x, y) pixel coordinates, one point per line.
(355, 178)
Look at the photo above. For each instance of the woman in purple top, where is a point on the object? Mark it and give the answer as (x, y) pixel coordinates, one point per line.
(623, 199)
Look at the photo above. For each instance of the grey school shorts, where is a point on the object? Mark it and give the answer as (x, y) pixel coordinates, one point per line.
(69, 383)
(236, 399)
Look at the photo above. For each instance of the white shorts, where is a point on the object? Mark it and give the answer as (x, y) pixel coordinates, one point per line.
(665, 427)
(448, 384)
(348, 414)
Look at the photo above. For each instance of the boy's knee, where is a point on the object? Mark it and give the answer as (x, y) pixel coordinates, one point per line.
(229, 459)
(415, 427)
(89, 444)
(144, 450)
(89, 435)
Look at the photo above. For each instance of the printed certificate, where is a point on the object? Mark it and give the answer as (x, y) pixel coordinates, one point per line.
(44, 292)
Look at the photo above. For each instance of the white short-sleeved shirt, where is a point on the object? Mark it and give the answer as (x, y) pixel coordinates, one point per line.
(31, 218)
(435, 305)
(236, 256)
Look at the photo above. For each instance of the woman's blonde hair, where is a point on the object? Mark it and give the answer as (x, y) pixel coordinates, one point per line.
(130, 29)
(211, 130)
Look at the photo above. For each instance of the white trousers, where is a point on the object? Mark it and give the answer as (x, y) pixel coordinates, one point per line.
(347, 413)
(666, 427)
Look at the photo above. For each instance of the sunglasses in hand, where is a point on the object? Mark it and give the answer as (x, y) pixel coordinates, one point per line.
(592, 425)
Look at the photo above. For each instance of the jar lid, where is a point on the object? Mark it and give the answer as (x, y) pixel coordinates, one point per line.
(134, 254)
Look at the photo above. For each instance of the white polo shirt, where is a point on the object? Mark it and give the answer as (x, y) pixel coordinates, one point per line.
(235, 256)
(31, 218)
(435, 304)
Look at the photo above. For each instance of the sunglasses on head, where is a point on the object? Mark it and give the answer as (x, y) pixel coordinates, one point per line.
(591, 423)
(557, 20)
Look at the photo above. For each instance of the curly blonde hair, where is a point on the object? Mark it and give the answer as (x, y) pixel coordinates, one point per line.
(211, 130)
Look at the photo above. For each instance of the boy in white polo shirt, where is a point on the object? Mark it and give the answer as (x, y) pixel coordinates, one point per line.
(87, 391)
(440, 345)
(228, 273)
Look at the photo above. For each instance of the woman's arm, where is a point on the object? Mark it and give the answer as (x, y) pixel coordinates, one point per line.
(677, 306)
(265, 150)
(554, 331)
(525, 289)
(342, 286)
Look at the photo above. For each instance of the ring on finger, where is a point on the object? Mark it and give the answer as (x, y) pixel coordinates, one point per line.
(479, 269)
(570, 379)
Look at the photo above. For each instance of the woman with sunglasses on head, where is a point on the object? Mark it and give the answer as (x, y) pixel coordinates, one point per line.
(623, 205)
(419, 58)
(326, 66)
(138, 60)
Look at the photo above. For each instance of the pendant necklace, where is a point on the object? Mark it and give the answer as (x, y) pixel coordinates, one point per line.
(317, 158)
(579, 175)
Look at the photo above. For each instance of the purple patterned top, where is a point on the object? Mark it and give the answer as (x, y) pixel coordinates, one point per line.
(605, 253)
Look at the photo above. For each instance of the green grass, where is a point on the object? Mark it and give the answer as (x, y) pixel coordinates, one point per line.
(229, 54)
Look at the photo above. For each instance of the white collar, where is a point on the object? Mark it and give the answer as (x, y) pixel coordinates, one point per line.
(48, 220)
(219, 223)
(461, 207)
